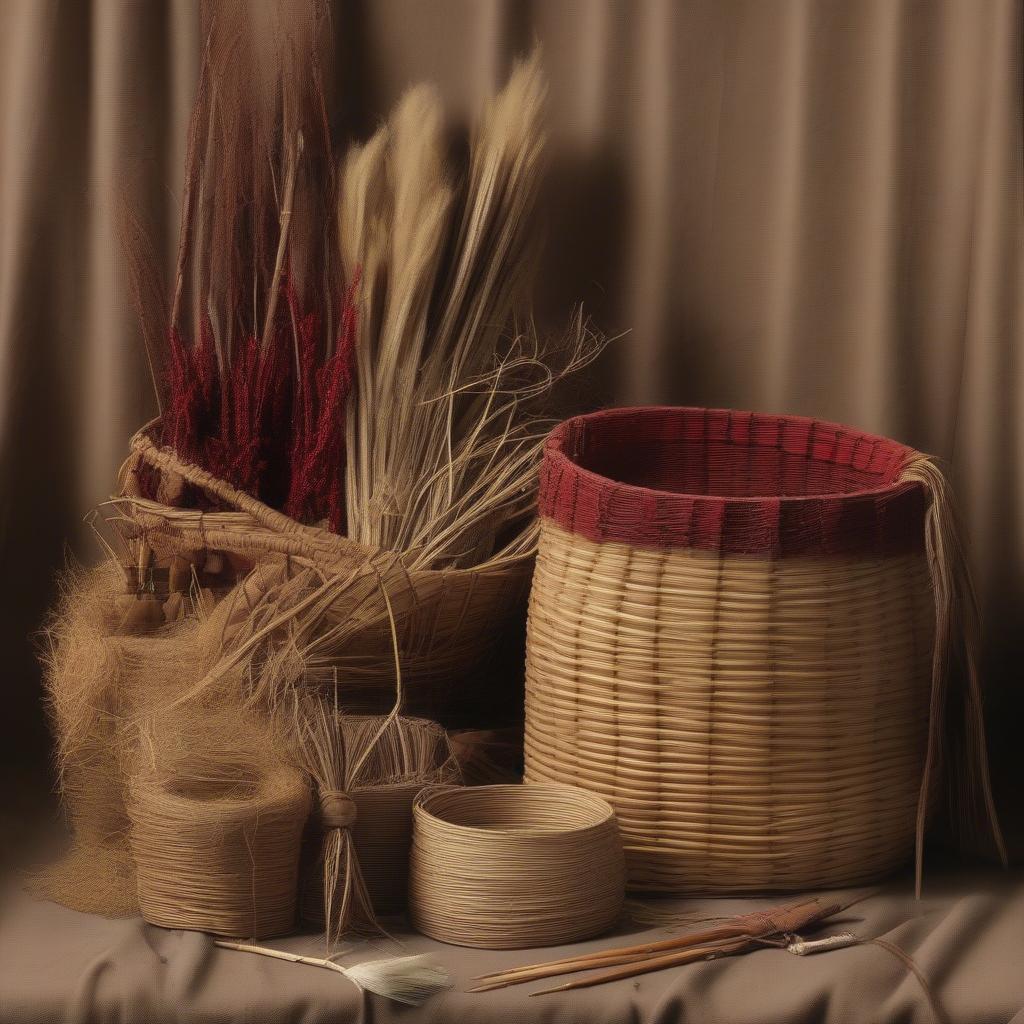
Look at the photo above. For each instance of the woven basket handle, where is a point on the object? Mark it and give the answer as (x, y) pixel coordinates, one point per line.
(166, 461)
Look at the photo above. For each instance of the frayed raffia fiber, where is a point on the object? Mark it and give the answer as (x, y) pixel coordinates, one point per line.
(958, 630)
(739, 634)
(507, 867)
(103, 678)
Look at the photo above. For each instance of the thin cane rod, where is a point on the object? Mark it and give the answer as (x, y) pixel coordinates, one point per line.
(740, 925)
(658, 963)
(786, 919)
(757, 924)
(545, 971)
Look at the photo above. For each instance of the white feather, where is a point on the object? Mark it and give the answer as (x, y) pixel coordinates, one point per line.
(406, 979)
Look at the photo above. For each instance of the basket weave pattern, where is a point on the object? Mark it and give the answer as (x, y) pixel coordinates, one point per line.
(445, 618)
(750, 693)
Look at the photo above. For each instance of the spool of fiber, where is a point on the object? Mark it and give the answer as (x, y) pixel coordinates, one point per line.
(216, 846)
(383, 835)
(506, 867)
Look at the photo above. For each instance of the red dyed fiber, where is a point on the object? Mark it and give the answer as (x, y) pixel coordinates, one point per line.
(738, 482)
(274, 424)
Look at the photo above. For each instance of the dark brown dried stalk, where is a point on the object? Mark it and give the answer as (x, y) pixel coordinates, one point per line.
(251, 355)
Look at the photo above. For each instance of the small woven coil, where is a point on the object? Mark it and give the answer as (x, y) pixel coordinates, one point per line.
(509, 867)
(217, 849)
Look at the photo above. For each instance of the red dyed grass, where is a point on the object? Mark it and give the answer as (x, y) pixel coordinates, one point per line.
(273, 424)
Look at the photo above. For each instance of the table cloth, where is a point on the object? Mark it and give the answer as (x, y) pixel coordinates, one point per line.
(966, 935)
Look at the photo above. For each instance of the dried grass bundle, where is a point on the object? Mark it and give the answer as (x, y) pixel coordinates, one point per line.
(368, 770)
(323, 748)
(443, 438)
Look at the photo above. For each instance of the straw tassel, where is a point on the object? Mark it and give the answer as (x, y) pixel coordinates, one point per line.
(405, 979)
(956, 614)
(335, 769)
(346, 899)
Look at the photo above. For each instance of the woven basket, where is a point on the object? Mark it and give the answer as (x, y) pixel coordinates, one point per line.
(508, 867)
(447, 621)
(731, 636)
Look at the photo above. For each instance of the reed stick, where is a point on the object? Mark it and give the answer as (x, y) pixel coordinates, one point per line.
(658, 963)
(741, 932)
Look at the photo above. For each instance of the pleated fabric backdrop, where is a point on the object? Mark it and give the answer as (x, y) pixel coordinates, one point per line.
(809, 206)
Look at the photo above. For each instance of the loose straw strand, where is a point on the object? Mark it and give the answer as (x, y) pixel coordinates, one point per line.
(955, 604)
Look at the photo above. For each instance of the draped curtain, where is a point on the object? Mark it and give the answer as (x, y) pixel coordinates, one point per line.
(808, 206)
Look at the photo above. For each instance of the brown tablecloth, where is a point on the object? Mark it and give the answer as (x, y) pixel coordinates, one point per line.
(966, 935)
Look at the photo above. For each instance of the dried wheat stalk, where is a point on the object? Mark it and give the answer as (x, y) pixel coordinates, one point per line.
(443, 438)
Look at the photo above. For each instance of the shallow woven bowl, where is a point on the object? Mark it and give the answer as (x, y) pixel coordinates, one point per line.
(508, 867)
(730, 639)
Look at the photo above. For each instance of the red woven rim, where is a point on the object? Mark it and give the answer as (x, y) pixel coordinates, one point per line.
(740, 482)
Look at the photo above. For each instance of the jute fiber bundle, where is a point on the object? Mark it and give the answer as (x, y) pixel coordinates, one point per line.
(733, 639)
(106, 678)
(508, 867)
(216, 823)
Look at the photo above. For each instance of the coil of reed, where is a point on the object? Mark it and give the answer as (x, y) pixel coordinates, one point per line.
(732, 638)
(513, 866)
(216, 847)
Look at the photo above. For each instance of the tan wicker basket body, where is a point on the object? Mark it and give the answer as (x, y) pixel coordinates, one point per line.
(746, 682)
